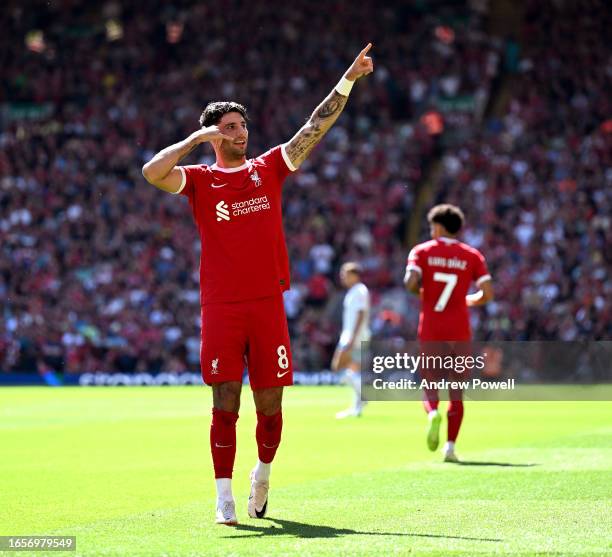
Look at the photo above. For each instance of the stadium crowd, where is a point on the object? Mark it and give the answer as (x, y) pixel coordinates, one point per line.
(537, 182)
(99, 271)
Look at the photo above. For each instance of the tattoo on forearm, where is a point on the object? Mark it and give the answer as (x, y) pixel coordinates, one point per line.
(321, 120)
(307, 138)
(330, 107)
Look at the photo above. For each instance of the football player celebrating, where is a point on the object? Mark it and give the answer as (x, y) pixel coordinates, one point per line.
(442, 270)
(244, 269)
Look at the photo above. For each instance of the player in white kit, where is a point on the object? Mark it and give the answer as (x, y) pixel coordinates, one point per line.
(355, 330)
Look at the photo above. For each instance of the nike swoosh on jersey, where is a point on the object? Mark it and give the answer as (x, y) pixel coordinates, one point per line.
(279, 374)
(218, 186)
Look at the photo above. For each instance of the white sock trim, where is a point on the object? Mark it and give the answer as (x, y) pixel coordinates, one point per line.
(224, 489)
(262, 471)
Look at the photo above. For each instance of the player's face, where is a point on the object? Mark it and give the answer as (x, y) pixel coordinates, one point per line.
(347, 279)
(234, 125)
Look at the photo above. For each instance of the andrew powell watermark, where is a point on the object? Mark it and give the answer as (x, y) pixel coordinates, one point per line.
(397, 370)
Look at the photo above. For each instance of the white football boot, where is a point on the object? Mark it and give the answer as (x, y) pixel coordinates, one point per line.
(258, 498)
(449, 452)
(226, 513)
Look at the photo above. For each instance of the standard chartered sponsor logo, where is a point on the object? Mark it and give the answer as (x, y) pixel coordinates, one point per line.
(240, 208)
(252, 205)
(222, 212)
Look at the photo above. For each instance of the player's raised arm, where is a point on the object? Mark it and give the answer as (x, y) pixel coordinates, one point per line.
(162, 172)
(324, 116)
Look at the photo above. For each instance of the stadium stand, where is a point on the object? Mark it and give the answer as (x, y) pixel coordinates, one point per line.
(99, 271)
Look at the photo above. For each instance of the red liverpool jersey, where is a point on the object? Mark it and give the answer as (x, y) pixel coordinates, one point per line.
(238, 214)
(447, 268)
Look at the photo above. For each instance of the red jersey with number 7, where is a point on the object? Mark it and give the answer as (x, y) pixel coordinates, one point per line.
(447, 268)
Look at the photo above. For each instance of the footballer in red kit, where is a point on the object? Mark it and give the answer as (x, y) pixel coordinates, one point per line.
(244, 269)
(442, 271)
(238, 214)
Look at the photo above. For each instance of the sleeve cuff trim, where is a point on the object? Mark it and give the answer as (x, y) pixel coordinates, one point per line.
(483, 278)
(183, 181)
(286, 158)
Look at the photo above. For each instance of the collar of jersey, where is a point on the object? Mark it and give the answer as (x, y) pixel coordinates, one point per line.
(448, 240)
(230, 170)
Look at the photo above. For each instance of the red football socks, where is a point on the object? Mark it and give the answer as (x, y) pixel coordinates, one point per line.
(431, 400)
(268, 435)
(455, 417)
(223, 442)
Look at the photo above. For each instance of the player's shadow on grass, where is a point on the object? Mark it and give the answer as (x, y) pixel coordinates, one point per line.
(485, 463)
(304, 530)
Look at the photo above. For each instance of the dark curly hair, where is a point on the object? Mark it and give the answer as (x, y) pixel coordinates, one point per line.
(214, 111)
(449, 216)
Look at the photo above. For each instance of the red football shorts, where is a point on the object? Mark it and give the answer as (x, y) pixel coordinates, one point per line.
(250, 334)
(437, 352)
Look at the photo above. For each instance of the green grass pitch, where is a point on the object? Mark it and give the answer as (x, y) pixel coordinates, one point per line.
(128, 471)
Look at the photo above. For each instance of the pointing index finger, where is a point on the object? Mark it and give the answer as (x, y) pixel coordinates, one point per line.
(365, 50)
